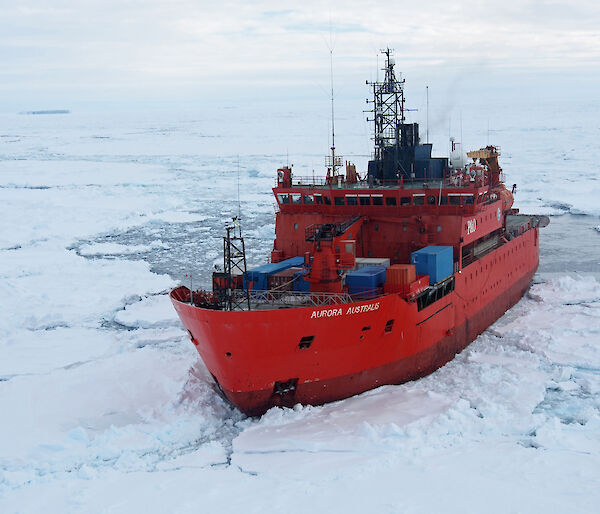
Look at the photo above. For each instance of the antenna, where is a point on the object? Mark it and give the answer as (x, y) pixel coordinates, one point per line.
(332, 162)
(238, 185)
(427, 119)
(332, 113)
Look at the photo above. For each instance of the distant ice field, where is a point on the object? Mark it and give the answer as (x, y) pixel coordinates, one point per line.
(106, 406)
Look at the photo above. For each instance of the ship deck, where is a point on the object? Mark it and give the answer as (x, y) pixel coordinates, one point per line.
(272, 299)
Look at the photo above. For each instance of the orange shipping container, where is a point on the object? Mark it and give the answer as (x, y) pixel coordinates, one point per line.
(401, 275)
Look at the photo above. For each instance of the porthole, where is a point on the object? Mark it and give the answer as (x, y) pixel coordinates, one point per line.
(305, 342)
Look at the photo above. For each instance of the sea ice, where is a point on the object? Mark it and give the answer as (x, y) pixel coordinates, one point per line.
(106, 406)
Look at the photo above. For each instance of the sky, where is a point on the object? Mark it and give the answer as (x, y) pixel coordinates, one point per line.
(61, 50)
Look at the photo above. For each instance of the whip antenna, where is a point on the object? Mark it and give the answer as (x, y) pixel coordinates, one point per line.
(238, 187)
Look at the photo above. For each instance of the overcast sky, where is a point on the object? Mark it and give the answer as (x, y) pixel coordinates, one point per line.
(125, 49)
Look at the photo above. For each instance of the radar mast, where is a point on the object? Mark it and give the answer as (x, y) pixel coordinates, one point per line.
(388, 108)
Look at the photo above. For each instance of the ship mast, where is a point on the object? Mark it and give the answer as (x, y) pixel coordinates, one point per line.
(332, 162)
(234, 260)
(332, 113)
(395, 140)
(388, 108)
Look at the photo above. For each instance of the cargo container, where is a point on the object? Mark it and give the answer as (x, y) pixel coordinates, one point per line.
(283, 280)
(368, 276)
(419, 285)
(366, 282)
(362, 262)
(220, 280)
(398, 277)
(300, 284)
(257, 278)
(359, 293)
(435, 261)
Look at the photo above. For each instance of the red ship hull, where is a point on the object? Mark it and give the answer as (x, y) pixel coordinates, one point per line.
(258, 359)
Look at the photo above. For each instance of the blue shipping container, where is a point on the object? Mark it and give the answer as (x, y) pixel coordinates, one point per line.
(300, 284)
(369, 277)
(435, 261)
(360, 293)
(260, 275)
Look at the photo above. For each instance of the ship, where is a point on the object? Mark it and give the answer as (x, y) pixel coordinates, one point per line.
(374, 279)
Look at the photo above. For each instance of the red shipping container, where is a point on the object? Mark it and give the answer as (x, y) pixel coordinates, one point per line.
(399, 277)
(419, 285)
(220, 281)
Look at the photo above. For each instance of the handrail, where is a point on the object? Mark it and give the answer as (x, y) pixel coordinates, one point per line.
(297, 298)
(401, 183)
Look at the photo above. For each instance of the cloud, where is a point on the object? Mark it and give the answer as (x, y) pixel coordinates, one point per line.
(110, 44)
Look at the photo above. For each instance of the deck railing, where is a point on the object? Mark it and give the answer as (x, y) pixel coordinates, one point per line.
(283, 299)
(272, 298)
(401, 183)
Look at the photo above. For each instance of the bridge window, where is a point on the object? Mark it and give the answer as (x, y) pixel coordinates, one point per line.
(338, 200)
(468, 199)
(309, 199)
(454, 199)
(405, 200)
(364, 200)
(377, 199)
(418, 199)
(351, 200)
(283, 199)
(390, 200)
(327, 200)
(443, 200)
(296, 198)
(319, 199)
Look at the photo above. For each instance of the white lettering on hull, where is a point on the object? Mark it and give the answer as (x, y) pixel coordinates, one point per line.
(471, 226)
(357, 309)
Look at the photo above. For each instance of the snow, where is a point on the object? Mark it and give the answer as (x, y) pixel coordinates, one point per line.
(151, 312)
(106, 406)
